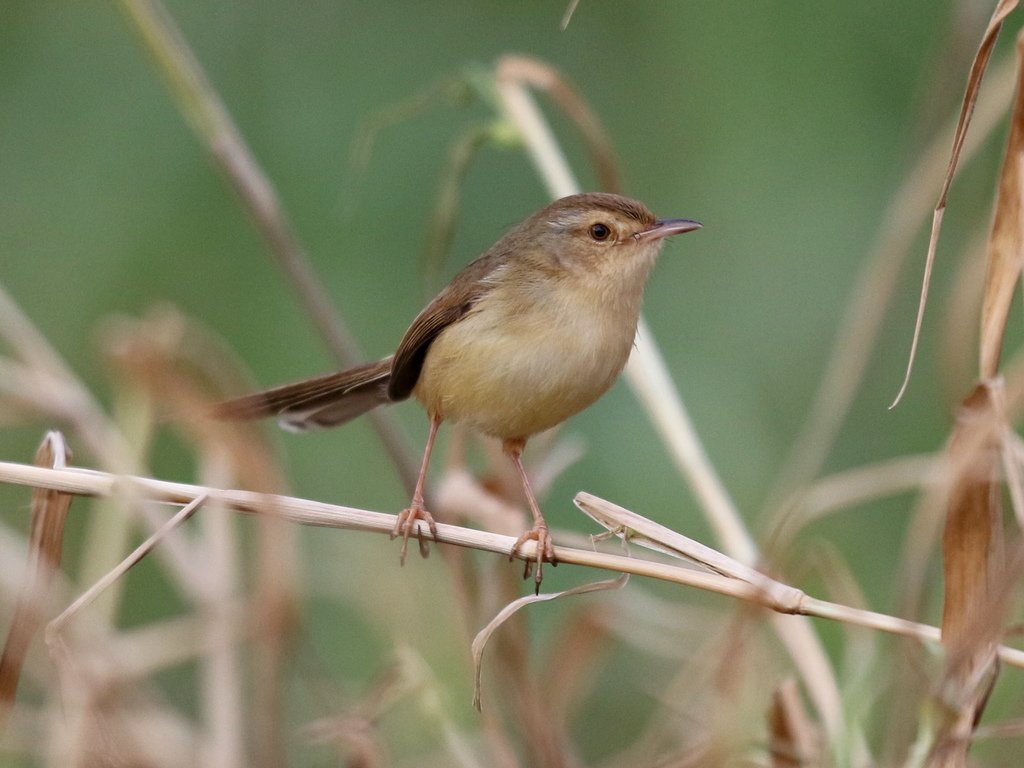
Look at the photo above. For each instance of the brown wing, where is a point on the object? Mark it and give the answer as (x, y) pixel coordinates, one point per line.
(324, 401)
(450, 306)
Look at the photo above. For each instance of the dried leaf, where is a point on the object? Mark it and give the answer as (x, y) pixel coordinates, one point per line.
(970, 541)
(46, 538)
(978, 67)
(972, 565)
(480, 641)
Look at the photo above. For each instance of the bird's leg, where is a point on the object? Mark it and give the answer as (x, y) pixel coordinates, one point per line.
(539, 532)
(406, 521)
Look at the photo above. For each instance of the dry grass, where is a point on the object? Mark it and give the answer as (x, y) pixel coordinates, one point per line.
(747, 681)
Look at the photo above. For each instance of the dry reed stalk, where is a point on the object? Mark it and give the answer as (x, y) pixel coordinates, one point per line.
(86, 482)
(927, 516)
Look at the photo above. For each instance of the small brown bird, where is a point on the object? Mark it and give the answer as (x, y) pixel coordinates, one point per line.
(529, 334)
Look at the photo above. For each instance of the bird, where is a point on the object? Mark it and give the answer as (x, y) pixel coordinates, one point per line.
(530, 333)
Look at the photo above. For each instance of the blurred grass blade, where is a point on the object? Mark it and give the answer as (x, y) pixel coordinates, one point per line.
(567, 16)
(46, 539)
(978, 67)
(1006, 240)
(794, 741)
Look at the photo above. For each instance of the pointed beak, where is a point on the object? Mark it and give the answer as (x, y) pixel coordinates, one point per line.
(665, 228)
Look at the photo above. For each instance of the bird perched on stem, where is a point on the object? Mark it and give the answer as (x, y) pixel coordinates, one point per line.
(527, 335)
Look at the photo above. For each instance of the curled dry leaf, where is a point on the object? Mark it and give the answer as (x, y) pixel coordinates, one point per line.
(972, 564)
(480, 641)
(970, 541)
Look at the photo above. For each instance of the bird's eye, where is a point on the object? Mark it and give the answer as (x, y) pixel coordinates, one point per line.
(600, 232)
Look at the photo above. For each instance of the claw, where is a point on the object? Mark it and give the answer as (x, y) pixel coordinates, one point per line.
(545, 551)
(404, 525)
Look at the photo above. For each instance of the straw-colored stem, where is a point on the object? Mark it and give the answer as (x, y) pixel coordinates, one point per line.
(87, 482)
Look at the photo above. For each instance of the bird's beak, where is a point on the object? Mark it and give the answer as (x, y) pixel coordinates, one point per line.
(665, 228)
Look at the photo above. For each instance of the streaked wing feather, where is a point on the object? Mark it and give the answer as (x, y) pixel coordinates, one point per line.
(320, 414)
(450, 306)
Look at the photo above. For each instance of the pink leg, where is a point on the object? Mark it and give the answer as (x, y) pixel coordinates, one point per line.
(406, 521)
(539, 532)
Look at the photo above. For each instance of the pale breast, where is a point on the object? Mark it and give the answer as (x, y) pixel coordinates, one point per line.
(520, 370)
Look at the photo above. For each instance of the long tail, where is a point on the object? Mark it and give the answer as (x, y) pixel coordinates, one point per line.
(326, 401)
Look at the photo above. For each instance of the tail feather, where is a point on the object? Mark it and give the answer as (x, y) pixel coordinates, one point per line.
(325, 401)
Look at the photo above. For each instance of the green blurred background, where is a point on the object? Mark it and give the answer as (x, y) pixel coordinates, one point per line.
(785, 127)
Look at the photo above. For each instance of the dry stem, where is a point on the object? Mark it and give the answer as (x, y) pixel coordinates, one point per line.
(87, 482)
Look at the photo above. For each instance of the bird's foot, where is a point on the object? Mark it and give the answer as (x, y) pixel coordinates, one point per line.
(545, 551)
(406, 523)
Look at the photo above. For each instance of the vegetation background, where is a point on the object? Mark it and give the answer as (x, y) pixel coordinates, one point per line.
(785, 127)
